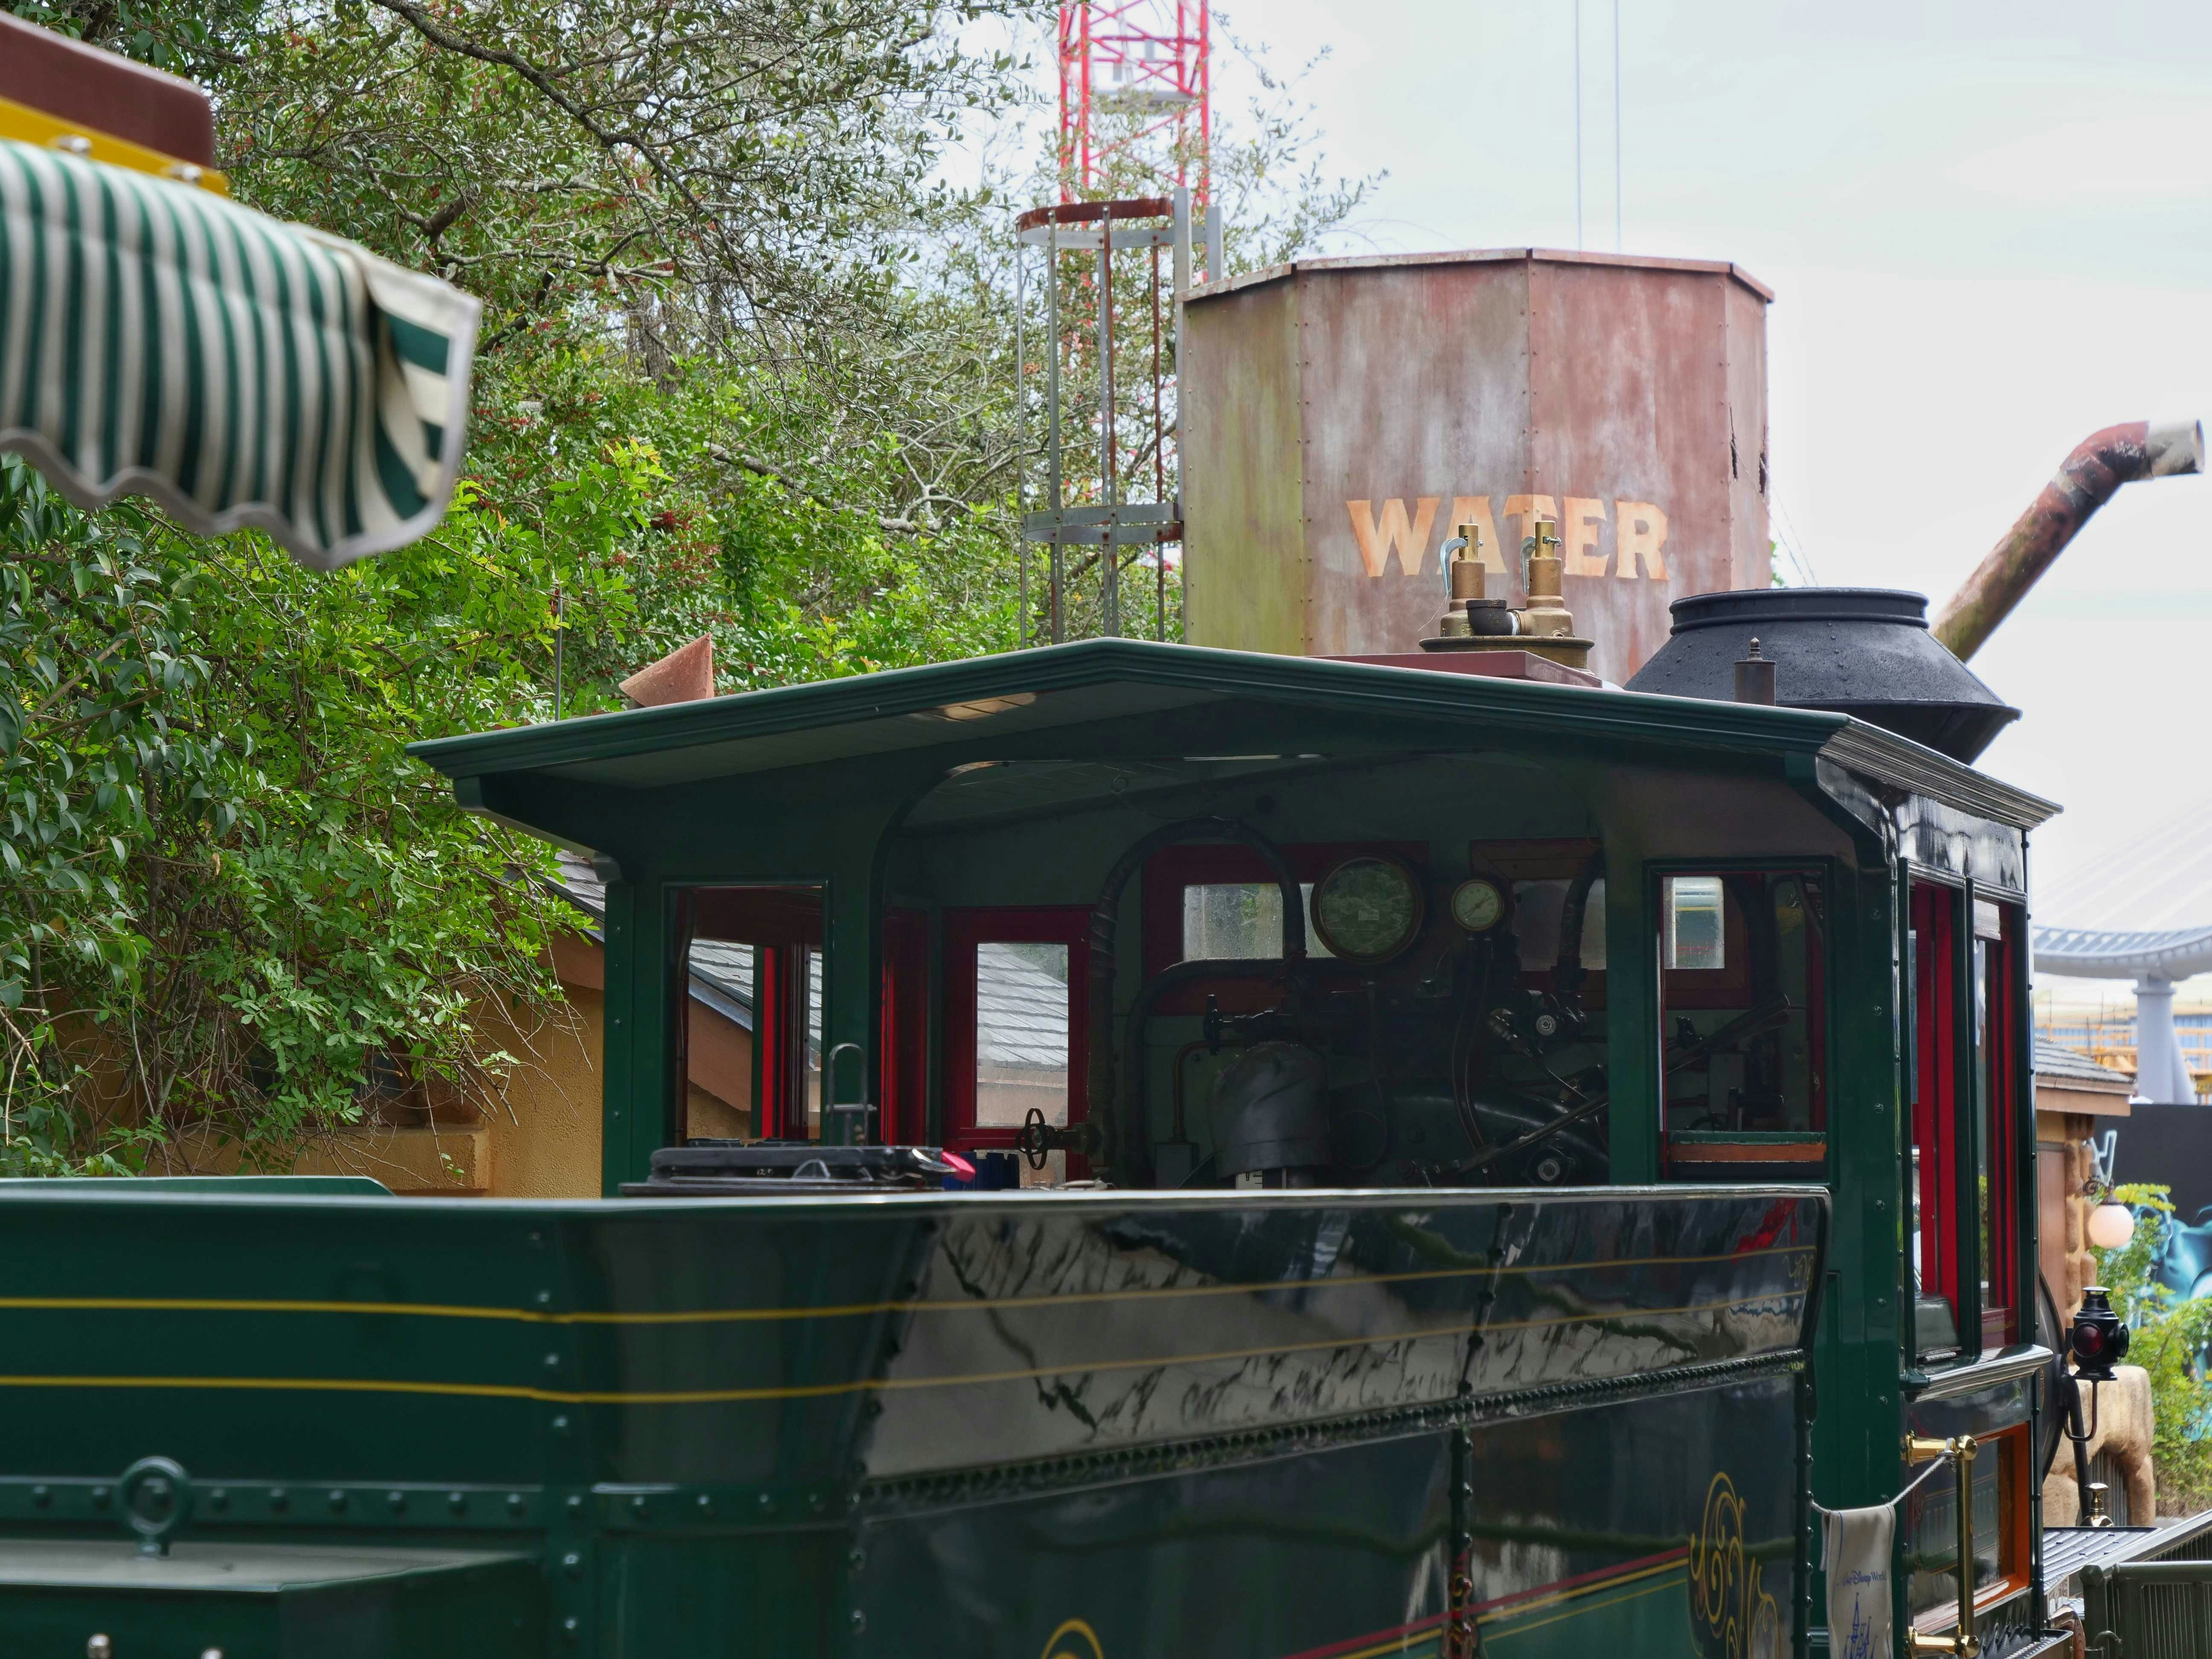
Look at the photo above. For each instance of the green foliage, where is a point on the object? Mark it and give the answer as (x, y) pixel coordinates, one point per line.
(231, 895)
(711, 169)
(2169, 1336)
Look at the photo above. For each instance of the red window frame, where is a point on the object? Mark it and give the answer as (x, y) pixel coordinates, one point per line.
(2001, 1123)
(966, 929)
(1935, 919)
(782, 921)
(904, 1058)
(780, 987)
(1968, 1115)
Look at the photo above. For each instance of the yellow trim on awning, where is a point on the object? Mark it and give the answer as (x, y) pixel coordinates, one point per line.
(34, 126)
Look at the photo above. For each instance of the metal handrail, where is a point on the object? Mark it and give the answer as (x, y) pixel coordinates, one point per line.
(863, 1109)
(2159, 1572)
(1961, 1642)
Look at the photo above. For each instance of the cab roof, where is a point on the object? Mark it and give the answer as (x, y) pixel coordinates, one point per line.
(1192, 701)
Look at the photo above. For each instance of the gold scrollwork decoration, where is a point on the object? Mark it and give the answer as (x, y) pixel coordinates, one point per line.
(1073, 1640)
(1733, 1615)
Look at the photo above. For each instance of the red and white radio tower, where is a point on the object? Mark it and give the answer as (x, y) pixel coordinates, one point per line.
(1141, 64)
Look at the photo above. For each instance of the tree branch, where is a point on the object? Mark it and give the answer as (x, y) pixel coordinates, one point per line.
(766, 469)
(420, 21)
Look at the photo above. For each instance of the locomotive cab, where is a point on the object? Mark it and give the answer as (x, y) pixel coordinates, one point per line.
(1424, 1161)
(1150, 917)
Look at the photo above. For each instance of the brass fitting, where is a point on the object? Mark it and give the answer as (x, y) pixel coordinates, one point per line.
(1463, 581)
(1467, 573)
(1474, 622)
(1547, 613)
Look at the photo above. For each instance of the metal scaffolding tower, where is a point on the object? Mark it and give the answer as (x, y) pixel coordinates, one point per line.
(1132, 231)
(1134, 83)
(1126, 490)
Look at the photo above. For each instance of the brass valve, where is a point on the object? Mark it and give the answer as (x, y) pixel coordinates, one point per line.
(1547, 613)
(1467, 572)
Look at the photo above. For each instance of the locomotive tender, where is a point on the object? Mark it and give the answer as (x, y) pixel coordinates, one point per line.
(1513, 1145)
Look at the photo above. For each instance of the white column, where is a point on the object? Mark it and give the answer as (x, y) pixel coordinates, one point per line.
(2161, 1073)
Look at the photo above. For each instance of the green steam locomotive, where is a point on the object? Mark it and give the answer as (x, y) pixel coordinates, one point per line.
(1499, 1152)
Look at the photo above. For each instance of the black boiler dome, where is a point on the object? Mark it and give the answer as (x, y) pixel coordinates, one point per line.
(1860, 651)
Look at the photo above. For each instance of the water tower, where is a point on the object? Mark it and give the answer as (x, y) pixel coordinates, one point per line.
(1341, 417)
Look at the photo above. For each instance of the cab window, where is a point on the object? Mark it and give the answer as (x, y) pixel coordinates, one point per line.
(1016, 990)
(1743, 969)
(1967, 973)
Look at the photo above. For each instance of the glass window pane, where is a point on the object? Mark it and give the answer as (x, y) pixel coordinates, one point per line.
(1995, 1110)
(749, 1023)
(1225, 921)
(1741, 1014)
(1930, 1525)
(1021, 1033)
(1696, 930)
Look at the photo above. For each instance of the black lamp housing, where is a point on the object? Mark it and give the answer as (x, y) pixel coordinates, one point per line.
(2098, 1341)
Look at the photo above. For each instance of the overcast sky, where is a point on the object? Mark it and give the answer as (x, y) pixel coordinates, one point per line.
(1987, 230)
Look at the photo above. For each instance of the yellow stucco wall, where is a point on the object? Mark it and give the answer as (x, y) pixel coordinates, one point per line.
(545, 1133)
(539, 1139)
(545, 1129)
(540, 1136)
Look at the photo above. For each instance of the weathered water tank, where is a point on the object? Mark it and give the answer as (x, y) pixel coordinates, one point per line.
(1341, 416)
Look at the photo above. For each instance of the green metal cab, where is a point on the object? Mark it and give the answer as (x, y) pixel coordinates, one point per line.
(1495, 1152)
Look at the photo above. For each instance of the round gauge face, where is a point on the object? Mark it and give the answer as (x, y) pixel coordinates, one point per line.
(1476, 905)
(1367, 909)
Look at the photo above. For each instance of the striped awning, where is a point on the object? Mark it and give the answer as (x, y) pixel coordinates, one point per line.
(158, 339)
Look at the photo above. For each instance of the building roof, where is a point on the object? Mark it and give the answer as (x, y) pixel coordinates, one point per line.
(2068, 1066)
(1021, 1009)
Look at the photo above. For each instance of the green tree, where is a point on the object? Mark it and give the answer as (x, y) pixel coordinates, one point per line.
(2170, 1336)
(233, 901)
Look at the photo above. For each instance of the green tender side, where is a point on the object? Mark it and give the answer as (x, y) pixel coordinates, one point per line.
(1257, 1425)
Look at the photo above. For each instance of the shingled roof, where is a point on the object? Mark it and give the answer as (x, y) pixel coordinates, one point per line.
(2069, 1066)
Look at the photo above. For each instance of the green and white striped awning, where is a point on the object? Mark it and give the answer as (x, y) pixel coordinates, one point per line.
(158, 339)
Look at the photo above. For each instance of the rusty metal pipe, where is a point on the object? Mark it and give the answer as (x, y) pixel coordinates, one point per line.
(2087, 479)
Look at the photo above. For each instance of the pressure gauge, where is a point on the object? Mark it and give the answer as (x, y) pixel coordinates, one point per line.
(1368, 909)
(1477, 904)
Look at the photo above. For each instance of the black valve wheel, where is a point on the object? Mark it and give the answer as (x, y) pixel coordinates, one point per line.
(1034, 1143)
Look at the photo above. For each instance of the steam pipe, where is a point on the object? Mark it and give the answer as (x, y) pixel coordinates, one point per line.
(2086, 480)
(1105, 921)
(1567, 971)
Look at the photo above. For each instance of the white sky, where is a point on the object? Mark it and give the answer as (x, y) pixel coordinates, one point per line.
(1989, 231)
